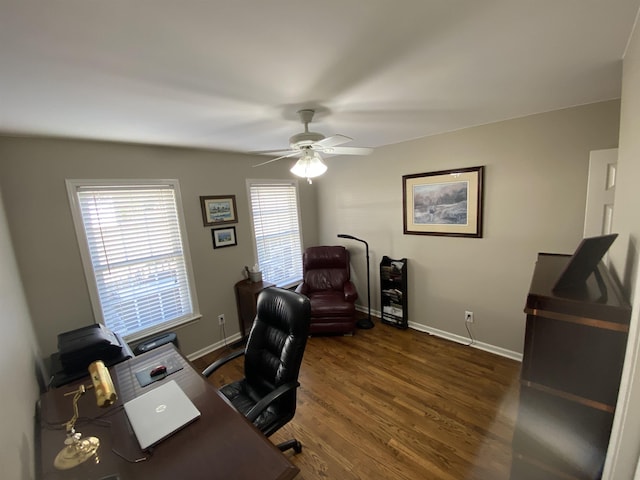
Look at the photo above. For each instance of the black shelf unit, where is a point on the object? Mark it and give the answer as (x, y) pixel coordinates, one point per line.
(393, 292)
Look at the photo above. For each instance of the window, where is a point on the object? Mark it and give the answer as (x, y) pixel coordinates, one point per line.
(134, 250)
(276, 227)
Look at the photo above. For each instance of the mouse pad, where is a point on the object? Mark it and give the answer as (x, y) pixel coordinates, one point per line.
(172, 363)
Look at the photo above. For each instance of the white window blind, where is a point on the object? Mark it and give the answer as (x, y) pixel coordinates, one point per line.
(135, 252)
(276, 226)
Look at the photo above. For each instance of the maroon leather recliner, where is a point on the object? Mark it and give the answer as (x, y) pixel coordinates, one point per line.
(327, 283)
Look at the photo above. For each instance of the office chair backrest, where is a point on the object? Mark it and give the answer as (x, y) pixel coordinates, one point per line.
(276, 344)
(326, 267)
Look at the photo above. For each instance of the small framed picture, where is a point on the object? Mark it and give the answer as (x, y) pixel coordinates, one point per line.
(218, 209)
(224, 237)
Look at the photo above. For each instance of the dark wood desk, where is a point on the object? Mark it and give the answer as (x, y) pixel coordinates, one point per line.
(221, 444)
(574, 350)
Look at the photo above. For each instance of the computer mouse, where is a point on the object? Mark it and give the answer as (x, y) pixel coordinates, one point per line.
(159, 370)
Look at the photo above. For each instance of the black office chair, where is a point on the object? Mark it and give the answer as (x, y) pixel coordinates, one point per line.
(273, 355)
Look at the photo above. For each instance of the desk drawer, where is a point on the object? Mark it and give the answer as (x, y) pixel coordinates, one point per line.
(562, 435)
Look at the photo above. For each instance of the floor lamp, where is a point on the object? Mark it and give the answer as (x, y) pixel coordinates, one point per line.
(364, 322)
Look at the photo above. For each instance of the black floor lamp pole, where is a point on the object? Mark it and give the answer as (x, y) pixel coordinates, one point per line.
(364, 322)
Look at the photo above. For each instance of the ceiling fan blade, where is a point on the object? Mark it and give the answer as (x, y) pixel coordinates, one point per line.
(273, 152)
(333, 141)
(348, 151)
(290, 154)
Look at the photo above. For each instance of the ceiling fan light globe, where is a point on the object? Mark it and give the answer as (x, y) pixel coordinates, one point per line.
(309, 166)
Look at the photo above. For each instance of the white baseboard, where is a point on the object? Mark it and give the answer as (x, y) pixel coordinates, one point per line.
(213, 347)
(503, 352)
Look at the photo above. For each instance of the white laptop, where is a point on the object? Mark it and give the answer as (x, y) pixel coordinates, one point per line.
(159, 413)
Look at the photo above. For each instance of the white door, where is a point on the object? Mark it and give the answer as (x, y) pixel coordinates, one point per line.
(601, 188)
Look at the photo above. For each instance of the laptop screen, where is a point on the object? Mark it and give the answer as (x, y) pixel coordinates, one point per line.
(584, 261)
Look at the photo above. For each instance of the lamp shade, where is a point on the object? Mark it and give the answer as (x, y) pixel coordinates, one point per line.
(309, 166)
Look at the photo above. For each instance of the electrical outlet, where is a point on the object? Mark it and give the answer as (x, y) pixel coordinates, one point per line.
(221, 319)
(468, 316)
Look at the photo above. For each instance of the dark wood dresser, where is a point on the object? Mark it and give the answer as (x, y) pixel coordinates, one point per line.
(246, 299)
(573, 355)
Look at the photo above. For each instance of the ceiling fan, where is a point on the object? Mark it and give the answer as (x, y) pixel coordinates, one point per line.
(309, 145)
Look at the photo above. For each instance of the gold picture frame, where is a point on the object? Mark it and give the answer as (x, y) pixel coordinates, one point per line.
(218, 209)
(446, 203)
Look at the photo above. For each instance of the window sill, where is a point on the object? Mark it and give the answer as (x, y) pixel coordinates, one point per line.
(134, 337)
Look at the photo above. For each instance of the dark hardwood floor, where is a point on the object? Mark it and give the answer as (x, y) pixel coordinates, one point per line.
(398, 404)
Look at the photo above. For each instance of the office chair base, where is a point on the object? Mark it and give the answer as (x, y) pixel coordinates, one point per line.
(293, 443)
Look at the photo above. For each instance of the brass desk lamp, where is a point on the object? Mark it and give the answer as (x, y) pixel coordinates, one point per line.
(78, 450)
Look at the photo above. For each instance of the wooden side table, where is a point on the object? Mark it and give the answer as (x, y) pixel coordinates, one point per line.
(246, 299)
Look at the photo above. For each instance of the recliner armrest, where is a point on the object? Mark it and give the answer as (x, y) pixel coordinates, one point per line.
(221, 361)
(268, 399)
(350, 292)
(302, 288)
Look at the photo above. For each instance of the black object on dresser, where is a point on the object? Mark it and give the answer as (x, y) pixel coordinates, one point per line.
(575, 343)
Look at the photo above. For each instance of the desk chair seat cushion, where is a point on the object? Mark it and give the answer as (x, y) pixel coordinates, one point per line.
(244, 398)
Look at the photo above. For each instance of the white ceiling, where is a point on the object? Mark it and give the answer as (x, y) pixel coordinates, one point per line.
(230, 74)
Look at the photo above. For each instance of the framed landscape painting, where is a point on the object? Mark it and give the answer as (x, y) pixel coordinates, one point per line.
(218, 209)
(224, 237)
(448, 203)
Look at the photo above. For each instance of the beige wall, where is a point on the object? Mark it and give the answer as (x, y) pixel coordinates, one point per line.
(32, 175)
(19, 360)
(624, 450)
(535, 182)
(535, 190)
(625, 251)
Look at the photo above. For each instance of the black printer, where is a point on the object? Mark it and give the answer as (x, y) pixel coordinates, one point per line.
(78, 348)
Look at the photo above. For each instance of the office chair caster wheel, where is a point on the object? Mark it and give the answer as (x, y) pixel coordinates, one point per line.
(297, 447)
(293, 443)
